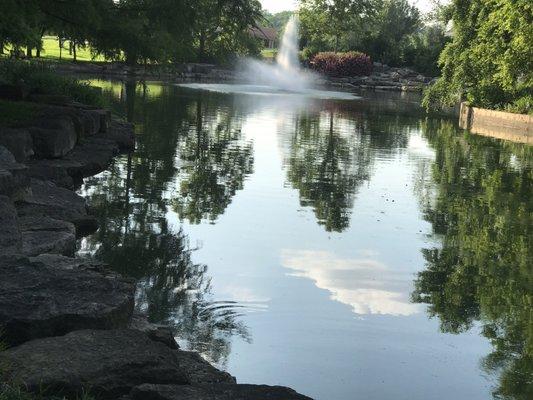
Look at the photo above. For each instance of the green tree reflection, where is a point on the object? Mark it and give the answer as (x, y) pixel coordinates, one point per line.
(484, 269)
(131, 201)
(331, 155)
(214, 162)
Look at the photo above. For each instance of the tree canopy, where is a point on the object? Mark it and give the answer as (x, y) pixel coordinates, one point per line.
(490, 60)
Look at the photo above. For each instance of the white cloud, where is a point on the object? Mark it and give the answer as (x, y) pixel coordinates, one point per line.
(366, 285)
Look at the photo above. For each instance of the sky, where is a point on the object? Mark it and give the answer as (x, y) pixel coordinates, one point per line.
(282, 5)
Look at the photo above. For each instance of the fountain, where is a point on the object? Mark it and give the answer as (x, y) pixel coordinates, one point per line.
(285, 74)
(283, 77)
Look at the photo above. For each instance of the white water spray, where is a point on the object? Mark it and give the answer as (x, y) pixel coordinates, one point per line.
(286, 73)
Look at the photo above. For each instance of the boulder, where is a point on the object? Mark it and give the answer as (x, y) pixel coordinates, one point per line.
(122, 134)
(53, 138)
(108, 363)
(49, 200)
(14, 181)
(18, 142)
(214, 392)
(52, 295)
(46, 235)
(10, 235)
(55, 171)
(13, 92)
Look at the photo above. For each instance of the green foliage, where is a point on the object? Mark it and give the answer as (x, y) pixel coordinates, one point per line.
(39, 77)
(278, 20)
(490, 60)
(379, 28)
(157, 31)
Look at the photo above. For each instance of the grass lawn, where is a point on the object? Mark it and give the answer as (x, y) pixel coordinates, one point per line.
(50, 51)
(269, 53)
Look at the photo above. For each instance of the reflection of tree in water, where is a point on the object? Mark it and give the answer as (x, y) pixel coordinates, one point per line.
(214, 162)
(484, 269)
(330, 156)
(136, 240)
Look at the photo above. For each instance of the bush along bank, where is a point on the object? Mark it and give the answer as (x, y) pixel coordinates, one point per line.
(356, 71)
(68, 322)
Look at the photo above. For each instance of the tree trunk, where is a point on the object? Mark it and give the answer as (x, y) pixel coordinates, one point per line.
(201, 49)
(28, 52)
(74, 51)
(60, 48)
(70, 47)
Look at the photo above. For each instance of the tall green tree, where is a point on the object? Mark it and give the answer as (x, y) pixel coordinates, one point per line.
(490, 60)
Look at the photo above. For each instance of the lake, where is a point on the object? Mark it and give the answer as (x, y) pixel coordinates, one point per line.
(347, 248)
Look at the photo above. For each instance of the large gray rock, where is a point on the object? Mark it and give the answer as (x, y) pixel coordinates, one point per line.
(122, 133)
(49, 200)
(10, 235)
(108, 363)
(53, 137)
(91, 156)
(52, 143)
(214, 392)
(51, 295)
(18, 142)
(14, 180)
(46, 235)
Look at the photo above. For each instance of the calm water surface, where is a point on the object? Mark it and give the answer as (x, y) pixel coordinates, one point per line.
(348, 249)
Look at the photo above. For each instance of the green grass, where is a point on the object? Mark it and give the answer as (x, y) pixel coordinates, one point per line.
(269, 53)
(51, 51)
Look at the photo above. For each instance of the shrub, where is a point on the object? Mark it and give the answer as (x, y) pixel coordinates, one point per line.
(342, 64)
(40, 77)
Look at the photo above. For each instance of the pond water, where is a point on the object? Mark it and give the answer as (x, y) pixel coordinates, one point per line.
(347, 248)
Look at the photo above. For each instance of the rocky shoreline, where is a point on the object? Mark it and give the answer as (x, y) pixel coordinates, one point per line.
(383, 78)
(69, 322)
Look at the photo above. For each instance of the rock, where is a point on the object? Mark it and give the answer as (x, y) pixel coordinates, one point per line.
(53, 295)
(122, 134)
(53, 138)
(10, 235)
(214, 392)
(108, 363)
(55, 171)
(18, 142)
(13, 92)
(14, 181)
(55, 202)
(158, 333)
(46, 235)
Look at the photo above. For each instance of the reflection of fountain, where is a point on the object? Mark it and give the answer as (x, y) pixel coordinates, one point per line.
(285, 74)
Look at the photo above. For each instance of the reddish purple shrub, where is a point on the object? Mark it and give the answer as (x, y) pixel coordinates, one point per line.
(352, 63)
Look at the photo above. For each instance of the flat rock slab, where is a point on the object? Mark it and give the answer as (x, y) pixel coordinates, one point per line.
(47, 235)
(49, 200)
(53, 295)
(108, 363)
(90, 157)
(214, 392)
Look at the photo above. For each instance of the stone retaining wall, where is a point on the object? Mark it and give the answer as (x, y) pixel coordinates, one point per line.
(497, 124)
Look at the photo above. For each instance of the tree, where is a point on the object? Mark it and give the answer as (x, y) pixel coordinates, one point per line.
(490, 60)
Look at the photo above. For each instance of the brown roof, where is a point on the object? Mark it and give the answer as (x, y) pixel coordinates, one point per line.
(264, 33)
